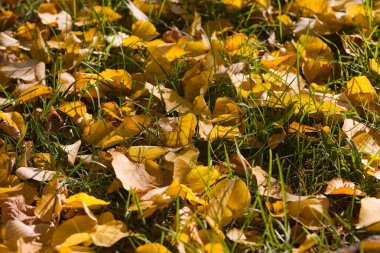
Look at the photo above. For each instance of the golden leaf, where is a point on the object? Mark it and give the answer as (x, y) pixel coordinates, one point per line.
(74, 231)
(178, 134)
(201, 178)
(152, 248)
(144, 30)
(133, 176)
(33, 93)
(77, 201)
(342, 186)
(50, 205)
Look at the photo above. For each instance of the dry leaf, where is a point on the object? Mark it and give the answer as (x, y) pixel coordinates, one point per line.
(133, 176)
(50, 205)
(77, 201)
(34, 92)
(20, 70)
(342, 186)
(152, 248)
(72, 151)
(369, 216)
(25, 173)
(228, 199)
(311, 212)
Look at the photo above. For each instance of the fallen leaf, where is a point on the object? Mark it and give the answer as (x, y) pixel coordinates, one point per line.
(34, 92)
(246, 238)
(72, 151)
(25, 173)
(49, 206)
(20, 70)
(311, 212)
(228, 199)
(152, 248)
(77, 201)
(369, 215)
(133, 176)
(342, 186)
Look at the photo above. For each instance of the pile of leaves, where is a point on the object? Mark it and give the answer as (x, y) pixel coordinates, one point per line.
(189, 126)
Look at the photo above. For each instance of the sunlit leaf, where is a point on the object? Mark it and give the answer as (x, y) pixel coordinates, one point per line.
(369, 216)
(144, 30)
(34, 92)
(342, 186)
(152, 248)
(132, 175)
(77, 200)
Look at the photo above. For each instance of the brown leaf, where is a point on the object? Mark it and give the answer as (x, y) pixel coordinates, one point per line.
(20, 70)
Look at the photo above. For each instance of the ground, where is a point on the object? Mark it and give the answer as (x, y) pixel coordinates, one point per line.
(189, 126)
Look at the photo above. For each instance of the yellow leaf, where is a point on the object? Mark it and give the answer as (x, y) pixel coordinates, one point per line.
(341, 186)
(74, 109)
(224, 105)
(201, 177)
(12, 124)
(228, 132)
(228, 199)
(360, 90)
(234, 43)
(173, 102)
(109, 233)
(175, 52)
(26, 31)
(118, 79)
(179, 134)
(133, 176)
(142, 153)
(106, 13)
(152, 248)
(74, 231)
(234, 5)
(213, 248)
(296, 127)
(77, 200)
(195, 82)
(317, 70)
(132, 42)
(39, 49)
(317, 59)
(310, 241)
(374, 66)
(130, 127)
(144, 30)
(96, 132)
(47, 13)
(50, 205)
(316, 7)
(158, 68)
(273, 61)
(311, 212)
(34, 92)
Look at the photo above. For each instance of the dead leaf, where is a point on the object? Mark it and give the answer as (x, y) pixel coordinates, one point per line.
(25, 173)
(133, 176)
(369, 216)
(342, 186)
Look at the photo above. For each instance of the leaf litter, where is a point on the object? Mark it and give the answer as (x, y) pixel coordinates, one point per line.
(171, 126)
